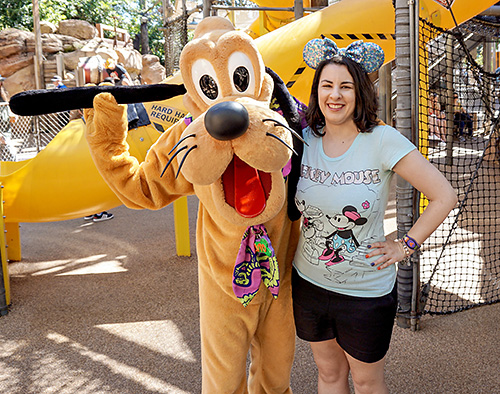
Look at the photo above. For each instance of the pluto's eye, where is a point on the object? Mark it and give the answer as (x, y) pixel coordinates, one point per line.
(209, 87)
(242, 73)
(241, 78)
(205, 81)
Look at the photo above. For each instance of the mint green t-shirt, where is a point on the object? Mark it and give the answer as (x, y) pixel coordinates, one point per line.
(343, 202)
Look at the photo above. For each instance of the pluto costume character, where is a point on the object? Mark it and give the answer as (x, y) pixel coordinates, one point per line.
(235, 161)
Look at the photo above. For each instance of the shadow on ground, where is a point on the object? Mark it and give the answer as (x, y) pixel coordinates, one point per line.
(109, 308)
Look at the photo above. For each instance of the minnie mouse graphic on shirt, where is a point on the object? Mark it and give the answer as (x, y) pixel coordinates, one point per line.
(343, 238)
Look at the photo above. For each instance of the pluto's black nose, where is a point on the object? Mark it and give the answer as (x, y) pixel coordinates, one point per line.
(227, 120)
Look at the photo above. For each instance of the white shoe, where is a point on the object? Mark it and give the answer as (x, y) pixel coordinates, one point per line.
(100, 217)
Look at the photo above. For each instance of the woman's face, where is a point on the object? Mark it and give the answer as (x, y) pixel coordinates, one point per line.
(336, 95)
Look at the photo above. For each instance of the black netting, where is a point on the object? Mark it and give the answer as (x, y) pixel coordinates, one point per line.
(459, 105)
(176, 37)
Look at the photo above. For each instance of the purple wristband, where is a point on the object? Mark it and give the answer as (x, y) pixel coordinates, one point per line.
(411, 243)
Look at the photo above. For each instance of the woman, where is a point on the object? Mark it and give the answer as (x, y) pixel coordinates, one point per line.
(344, 270)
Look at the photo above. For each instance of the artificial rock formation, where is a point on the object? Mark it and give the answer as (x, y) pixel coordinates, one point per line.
(75, 40)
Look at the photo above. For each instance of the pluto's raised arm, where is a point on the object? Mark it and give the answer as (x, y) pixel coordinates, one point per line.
(44, 101)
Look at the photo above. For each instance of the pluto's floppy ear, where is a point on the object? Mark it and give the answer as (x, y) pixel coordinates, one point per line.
(290, 108)
(286, 102)
(45, 101)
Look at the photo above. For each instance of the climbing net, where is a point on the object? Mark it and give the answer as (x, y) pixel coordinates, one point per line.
(23, 137)
(176, 36)
(459, 134)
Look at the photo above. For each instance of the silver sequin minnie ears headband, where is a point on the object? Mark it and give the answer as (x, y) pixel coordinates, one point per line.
(368, 55)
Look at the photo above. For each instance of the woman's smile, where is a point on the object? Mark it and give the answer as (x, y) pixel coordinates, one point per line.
(335, 106)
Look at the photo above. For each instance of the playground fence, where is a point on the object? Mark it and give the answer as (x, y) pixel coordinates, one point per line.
(459, 264)
(25, 136)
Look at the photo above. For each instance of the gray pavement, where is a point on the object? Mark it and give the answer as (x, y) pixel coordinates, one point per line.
(109, 308)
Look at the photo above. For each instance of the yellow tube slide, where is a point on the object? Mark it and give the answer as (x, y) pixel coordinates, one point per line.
(272, 20)
(345, 22)
(62, 183)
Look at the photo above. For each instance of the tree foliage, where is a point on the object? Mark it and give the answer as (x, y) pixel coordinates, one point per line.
(125, 14)
(15, 13)
(19, 13)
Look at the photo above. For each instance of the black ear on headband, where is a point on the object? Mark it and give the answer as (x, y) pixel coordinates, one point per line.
(45, 101)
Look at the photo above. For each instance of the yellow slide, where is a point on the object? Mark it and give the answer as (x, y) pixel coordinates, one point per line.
(345, 22)
(271, 20)
(62, 183)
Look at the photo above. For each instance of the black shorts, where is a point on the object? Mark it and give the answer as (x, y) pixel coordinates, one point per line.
(362, 326)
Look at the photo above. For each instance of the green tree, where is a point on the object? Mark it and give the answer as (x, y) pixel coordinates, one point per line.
(15, 13)
(19, 13)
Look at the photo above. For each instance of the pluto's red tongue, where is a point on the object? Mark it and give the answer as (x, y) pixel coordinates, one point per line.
(249, 193)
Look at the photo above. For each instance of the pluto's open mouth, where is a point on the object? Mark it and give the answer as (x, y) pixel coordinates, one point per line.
(246, 189)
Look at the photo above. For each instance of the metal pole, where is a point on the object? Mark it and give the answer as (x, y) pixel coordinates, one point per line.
(415, 106)
(488, 49)
(298, 9)
(385, 93)
(207, 8)
(449, 100)
(242, 8)
(4, 271)
(38, 47)
(407, 124)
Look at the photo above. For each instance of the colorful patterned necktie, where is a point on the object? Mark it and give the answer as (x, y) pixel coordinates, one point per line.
(256, 260)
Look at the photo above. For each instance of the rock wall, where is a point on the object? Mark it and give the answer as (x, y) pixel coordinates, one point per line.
(73, 40)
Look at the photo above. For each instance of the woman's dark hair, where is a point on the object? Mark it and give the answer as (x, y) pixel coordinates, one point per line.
(365, 112)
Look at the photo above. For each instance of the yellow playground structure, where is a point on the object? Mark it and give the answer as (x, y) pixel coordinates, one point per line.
(62, 183)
